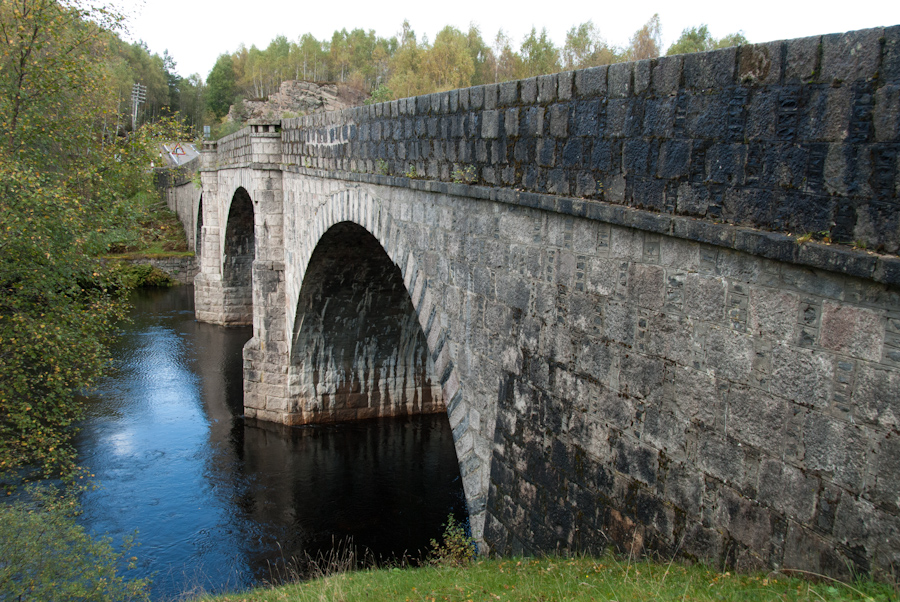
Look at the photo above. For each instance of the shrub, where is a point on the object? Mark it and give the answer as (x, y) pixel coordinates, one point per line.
(46, 555)
(456, 548)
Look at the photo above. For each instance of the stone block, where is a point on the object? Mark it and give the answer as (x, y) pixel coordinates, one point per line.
(547, 88)
(641, 376)
(876, 398)
(729, 354)
(564, 85)
(852, 331)
(835, 450)
(591, 82)
(637, 461)
(746, 521)
(721, 458)
(704, 297)
(664, 431)
(760, 64)
(674, 159)
(672, 338)
(621, 83)
(490, 124)
(509, 93)
(886, 115)
(802, 57)
(529, 90)
(646, 285)
(803, 376)
(863, 528)
(476, 98)
(709, 70)
(808, 551)
(773, 313)
(851, 56)
(788, 490)
(491, 92)
(757, 418)
(885, 490)
(559, 120)
(642, 71)
(890, 62)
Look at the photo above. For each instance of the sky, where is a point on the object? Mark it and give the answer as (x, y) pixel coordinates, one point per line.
(196, 32)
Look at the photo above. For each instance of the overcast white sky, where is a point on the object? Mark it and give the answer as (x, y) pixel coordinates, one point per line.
(195, 32)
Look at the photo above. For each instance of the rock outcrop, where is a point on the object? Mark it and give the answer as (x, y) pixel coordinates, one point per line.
(295, 98)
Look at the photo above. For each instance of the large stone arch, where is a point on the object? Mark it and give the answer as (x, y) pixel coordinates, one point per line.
(357, 343)
(355, 208)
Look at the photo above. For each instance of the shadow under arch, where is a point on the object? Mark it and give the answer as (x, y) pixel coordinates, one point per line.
(238, 254)
(471, 434)
(358, 347)
(198, 229)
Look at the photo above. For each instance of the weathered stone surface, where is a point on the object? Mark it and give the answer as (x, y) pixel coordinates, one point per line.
(655, 361)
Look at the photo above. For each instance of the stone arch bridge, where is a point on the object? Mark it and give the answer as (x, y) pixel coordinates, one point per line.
(659, 300)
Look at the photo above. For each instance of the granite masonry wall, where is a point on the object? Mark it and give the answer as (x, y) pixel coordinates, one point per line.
(633, 346)
(797, 136)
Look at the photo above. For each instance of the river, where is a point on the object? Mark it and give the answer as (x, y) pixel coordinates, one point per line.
(215, 501)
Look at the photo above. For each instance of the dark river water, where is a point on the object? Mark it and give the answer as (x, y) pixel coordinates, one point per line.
(216, 501)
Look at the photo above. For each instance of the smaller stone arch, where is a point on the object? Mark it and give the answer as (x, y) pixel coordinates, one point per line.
(198, 230)
(238, 255)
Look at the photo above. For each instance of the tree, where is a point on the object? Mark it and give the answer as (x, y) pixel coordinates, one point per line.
(46, 555)
(646, 41)
(173, 81)
(49, 77)
(698, 39)
(693, 39)
(220, 86)
(448, 63)
(539, 55)
(482, 57)
(585, 48)
(732, 39)
(407, 77)
(64, 185)
(507, 62)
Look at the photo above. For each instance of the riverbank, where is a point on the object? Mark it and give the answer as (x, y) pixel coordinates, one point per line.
(180, 267)
(570, 579)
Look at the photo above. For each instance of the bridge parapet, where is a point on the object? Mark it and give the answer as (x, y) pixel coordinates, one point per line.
(258, 143)
(798, 136)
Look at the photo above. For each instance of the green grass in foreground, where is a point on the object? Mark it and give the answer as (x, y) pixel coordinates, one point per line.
(550, 579)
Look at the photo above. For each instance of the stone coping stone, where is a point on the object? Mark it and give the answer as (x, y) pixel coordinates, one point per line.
(771, 245)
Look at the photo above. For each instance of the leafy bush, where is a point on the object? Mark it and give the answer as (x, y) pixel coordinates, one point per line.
(456, 548)
(135, 275)
(46, 555)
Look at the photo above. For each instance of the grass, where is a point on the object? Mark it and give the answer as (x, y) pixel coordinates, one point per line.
(606, 578)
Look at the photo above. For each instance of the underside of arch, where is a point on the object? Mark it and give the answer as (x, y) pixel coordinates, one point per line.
(358, 348)
(198, 230)
(237, 261)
